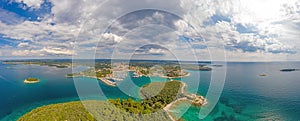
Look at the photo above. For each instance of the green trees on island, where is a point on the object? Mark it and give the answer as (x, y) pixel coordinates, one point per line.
(32, 79)
(64, 111)
(152, 102)
(145, 71)
(90, 111)
(150, 108)
(103, 73)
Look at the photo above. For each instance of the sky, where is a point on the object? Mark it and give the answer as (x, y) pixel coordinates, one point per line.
(218, 30)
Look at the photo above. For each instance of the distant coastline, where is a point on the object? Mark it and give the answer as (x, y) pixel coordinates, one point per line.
(289, 70)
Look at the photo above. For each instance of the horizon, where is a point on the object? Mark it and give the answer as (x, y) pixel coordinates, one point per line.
(203, 61)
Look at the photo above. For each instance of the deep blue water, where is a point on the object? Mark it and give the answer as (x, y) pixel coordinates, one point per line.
(246, 95)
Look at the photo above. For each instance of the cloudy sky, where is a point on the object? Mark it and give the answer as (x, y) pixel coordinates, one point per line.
(232, 30)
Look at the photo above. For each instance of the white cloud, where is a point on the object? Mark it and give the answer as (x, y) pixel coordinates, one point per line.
(110, 36)
(10, 17)
(58, 51)
(43, 52)
(23, 44)
(276, 26)
(32, 3)
(27, 53)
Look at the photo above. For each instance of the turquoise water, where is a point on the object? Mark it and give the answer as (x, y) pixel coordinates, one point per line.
(18, 98)
(246, 95)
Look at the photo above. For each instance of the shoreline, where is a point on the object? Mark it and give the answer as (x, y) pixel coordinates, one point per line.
(183, 91)
(188, 74)
(31, 82)
(104, 80)
(168, 107)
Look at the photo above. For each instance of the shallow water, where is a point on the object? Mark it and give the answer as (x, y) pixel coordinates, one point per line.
(18, 98)
(248, 96)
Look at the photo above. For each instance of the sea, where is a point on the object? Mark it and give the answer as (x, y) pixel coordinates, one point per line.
(246, 95)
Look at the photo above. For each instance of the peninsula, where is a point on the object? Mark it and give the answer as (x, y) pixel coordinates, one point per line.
(110, 75)
(289, 70)
(174, 89)
(159, 96)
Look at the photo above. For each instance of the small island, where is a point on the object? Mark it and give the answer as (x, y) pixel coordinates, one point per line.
(289, 70)
(263, 74)
(31, 80)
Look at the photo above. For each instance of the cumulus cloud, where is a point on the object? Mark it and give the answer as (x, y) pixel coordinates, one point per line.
(110, 36)
(57, 51)
(43, 52)
(249, 27)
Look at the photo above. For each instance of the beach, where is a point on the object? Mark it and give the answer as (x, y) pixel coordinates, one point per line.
(182, 91)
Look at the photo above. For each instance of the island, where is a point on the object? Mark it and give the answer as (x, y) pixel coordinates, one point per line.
(197, 67)
(49, 63)
(31, 80)
(289, 70)
(263, 74)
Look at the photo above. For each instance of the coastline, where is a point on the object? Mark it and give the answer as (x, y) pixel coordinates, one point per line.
(188, 74)
(19, 112)
(31, 82)
(183, 91)
(108, 82)
(168, 107)
(104, 80)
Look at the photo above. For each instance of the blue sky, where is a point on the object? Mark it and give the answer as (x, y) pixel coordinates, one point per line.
(234, 30)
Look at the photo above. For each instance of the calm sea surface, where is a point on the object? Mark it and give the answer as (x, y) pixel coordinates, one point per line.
(246, 95)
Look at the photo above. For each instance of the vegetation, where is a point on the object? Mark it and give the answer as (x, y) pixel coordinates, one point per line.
(145, 71)
(70, 75)
(104, 65)
(198, 67)
(154, 101)
(289, 70)
(31, 79)
(97, 110)
(103, 73)
(50, 63)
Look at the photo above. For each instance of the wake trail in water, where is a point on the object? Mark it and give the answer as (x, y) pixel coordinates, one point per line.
(6, 80)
